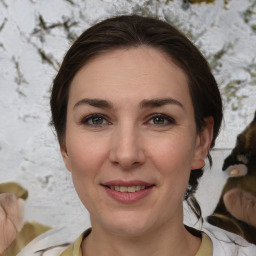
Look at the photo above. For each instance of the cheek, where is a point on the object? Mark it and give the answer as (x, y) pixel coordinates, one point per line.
(173, 158)
(86, 155)
(85, 160)
(173, 154)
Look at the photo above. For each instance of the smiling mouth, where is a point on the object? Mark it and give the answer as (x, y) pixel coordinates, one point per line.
(129, 189)
(128, 192)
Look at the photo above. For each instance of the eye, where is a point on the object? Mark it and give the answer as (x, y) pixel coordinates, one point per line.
(95, 120)
(161, 120)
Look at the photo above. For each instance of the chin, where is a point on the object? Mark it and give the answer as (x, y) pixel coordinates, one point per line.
(128, 224)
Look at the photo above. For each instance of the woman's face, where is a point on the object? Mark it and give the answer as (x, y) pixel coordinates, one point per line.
(131, 140)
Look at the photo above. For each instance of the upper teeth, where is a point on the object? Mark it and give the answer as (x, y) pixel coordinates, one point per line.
(127, 189)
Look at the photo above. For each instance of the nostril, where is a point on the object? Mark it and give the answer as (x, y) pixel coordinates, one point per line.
(127, 150)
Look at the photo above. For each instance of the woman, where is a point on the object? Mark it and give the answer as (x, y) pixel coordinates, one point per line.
(136, 110)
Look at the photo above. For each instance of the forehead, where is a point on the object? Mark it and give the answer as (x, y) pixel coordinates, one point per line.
(130, 74)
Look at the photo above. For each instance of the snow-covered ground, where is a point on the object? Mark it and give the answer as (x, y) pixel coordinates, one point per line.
(34, 35)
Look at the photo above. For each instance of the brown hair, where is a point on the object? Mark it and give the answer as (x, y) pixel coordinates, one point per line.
(133, 31)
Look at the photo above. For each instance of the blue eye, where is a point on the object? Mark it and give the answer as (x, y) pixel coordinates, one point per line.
(161, 120)
(94, 120)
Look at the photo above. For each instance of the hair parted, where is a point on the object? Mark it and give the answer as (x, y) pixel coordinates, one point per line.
(129, 31)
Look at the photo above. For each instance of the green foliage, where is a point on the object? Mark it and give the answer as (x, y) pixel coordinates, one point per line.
(19, 79)
(251, 69)
(214, 59)
(66, 24)
(3, 3)
(71, 2)
(44, 28)
(46, 57)
(145, 9)
(226, 1)
(253, 27)
(231, 92)
(199, 1)
(249, 15)
(3, 24)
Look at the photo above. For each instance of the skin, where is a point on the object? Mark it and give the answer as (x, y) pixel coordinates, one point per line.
(129, 143)
(11, 219)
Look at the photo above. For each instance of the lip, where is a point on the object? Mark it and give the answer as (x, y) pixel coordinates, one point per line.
(126, 183)
(127, 197)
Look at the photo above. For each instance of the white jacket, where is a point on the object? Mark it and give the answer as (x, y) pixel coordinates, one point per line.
(228, 244)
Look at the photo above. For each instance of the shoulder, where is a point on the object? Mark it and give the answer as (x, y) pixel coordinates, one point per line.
(228, 244)
(54, 242)
(75, 248)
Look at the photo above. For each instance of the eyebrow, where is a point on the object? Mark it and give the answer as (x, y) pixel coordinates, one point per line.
(98, 103)
(159, 103)
(152, 103)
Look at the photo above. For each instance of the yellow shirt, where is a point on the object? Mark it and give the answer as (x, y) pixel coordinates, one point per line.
(206, 248)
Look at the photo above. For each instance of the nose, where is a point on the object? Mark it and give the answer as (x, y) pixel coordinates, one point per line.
(127, 148)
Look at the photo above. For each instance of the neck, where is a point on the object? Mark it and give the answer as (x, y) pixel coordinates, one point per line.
(167, 240)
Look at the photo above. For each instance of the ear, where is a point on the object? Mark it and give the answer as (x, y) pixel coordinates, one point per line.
(203, 142)
(65, 156)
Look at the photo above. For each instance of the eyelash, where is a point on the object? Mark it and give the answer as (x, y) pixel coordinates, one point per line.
(167, 119)
(87, 119)
(164, 118)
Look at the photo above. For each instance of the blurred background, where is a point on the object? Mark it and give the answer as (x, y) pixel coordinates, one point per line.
(34, 35)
